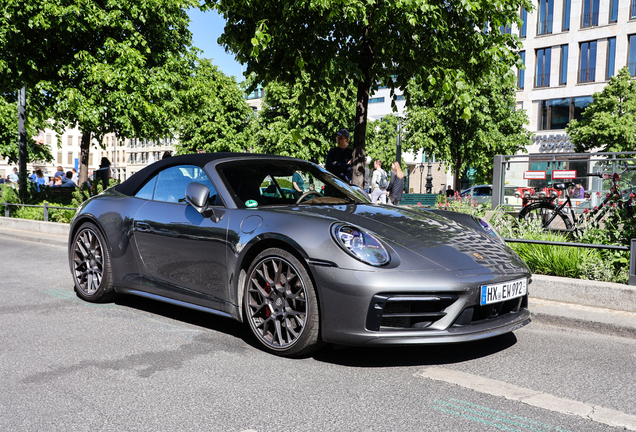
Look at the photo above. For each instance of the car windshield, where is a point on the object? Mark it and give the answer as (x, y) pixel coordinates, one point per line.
(262, 183)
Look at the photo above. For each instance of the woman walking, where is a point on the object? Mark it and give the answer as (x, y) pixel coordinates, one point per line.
(396, 185)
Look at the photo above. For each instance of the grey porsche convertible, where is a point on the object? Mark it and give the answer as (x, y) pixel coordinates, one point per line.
(302, 257)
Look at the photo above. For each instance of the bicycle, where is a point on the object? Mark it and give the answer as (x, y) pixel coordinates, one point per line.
(555, 217)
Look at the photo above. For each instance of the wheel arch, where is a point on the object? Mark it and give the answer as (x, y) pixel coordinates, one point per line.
(260, 245)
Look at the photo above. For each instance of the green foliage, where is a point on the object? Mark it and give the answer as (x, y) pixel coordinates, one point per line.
(382, 141)
(9, 133)
(462, 205)
(364, 44)
(494, 127)
(114, 66)
(215, 113)
(609, 122)
(285, 127)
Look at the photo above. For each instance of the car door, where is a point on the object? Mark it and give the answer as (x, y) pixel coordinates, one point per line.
(182, 252)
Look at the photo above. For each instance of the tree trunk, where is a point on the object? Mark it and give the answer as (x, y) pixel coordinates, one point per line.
(22, 145)
(85, 147)
(362, 106)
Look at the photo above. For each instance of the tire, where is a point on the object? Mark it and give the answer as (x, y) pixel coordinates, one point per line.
(91, 265)
(543, 211)
(280, 304)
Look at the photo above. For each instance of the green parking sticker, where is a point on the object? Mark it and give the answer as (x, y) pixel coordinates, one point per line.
(251, 203)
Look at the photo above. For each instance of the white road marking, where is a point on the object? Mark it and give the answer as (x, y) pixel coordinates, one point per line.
(531, 397)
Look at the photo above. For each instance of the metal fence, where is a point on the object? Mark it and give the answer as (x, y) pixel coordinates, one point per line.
(631, 249)
(45, 208)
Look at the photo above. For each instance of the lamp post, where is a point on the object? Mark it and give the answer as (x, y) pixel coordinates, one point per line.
(421, 167)
(429, 178)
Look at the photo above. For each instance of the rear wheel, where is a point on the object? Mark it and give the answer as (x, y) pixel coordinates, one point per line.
(281, 305)
(546, 214)
(91, 266)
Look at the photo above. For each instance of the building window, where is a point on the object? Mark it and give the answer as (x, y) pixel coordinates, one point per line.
(563, 68)
(557, 113)
(69, 158)
(376, 100)
(399, 98)
(613, 11)
(543, 67)
(632, 10)
(544, 25)
(587, 68)
(90, 159)
(566, 14)
(505, 29)
(524, 22)
(631, 60)
(69, 141)
(611, 57)
(48, 139)
(59, 158)
(590, 13)
(521, 73)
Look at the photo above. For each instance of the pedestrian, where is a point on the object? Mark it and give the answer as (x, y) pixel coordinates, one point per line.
(166, 155)
(396, 184)
(67, 180)
(103, 173)
(340, 157)
(60, 172)
(379, 183)
(450, 192)
(75, 177)
(13, 178)
(39, 181)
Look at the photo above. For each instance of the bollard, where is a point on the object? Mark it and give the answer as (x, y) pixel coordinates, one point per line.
(46, 211)
(632, 262)
(6, 209)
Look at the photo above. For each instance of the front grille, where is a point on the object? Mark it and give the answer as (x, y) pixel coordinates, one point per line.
(478, 314)
(391, 312)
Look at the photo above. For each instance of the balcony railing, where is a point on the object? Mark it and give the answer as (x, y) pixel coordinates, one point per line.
(587, 75)
(545, 27)
(589, 19)
(542, 80)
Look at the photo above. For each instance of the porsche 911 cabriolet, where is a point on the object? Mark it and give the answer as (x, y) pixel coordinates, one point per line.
(302, 257)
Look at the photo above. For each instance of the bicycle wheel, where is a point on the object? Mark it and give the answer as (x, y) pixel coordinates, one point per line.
(543, 212)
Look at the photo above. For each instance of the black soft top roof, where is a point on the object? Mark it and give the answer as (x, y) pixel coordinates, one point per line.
(132, 185)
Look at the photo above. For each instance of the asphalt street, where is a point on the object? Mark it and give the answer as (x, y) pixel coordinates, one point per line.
(138, 365)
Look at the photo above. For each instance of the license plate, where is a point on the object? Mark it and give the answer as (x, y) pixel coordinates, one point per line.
(501, 292)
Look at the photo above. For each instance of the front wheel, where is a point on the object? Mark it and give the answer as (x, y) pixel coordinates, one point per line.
(281, 305)
(547, 215)
(90, 263)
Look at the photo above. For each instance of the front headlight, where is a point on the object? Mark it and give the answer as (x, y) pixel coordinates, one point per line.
(360, 244)
(488, 228)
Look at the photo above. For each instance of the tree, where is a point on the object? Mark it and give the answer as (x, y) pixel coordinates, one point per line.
(370, 43)
(283, 127)
(382, 139)
(105, 67)
(215, 113)
(495, 127)
(9, 134)
(609, 122)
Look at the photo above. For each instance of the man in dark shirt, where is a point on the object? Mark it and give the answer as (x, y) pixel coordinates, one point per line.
(339, 158)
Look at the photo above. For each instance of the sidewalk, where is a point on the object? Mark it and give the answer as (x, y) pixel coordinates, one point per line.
(601, 307)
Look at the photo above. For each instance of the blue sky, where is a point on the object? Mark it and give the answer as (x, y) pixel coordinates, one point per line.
(206, 29)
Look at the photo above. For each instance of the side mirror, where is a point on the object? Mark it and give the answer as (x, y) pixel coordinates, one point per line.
(197, 196)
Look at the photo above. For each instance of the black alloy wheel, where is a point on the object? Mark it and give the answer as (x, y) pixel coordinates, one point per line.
(280, 304)
(90, 262)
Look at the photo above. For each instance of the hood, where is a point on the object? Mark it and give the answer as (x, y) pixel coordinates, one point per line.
(453, 241)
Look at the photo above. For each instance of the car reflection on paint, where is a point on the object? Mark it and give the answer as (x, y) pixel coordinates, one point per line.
(226, 234)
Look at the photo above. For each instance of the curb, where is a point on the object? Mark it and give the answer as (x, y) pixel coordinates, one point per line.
(601, 307)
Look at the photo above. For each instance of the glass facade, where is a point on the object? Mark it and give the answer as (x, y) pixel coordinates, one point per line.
(587, 68)
(542, 75)
(563, 70)
(524, 18)
(611, 57)
(590, 13)
(567, 5)
(544, 25)
(613, 11)
(557, 113)
(631, 60)
(521, 73)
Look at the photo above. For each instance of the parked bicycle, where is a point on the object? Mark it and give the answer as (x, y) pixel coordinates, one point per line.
(555, 216)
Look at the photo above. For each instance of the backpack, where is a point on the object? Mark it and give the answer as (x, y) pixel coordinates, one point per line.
(384, 182)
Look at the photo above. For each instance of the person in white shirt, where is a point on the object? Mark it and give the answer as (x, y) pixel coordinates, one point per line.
(379, 183)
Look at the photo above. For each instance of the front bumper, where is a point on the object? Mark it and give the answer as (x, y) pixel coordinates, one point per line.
(415, 307)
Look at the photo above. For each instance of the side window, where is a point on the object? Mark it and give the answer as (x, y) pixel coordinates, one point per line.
(170, 185)
(148, 190)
